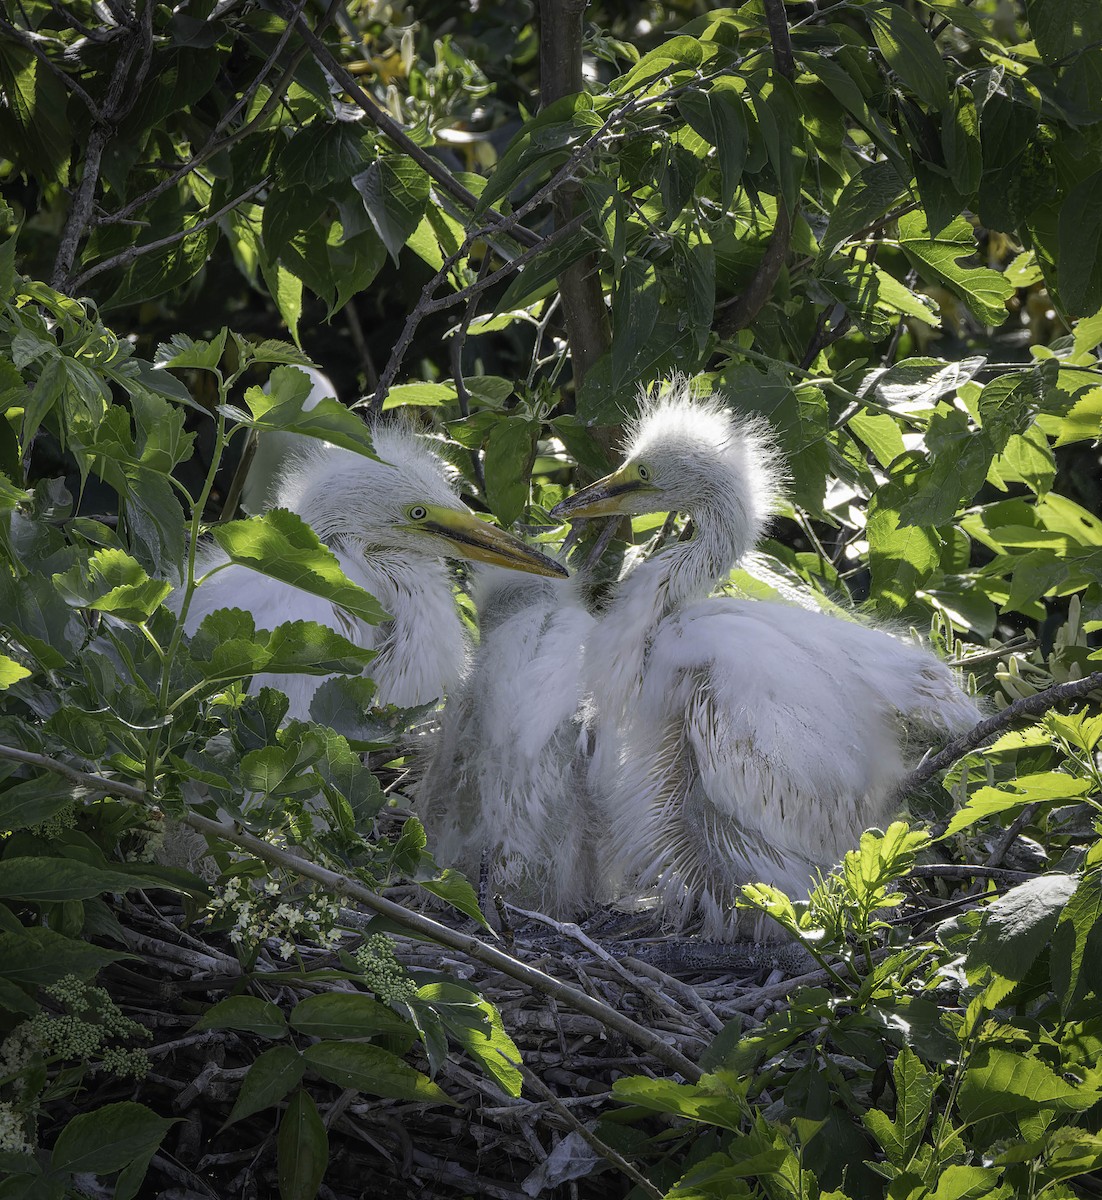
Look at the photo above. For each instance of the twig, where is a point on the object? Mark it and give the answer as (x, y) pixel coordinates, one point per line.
(80, 212)
(590, 1138)
(415, 922)
(1010, 835)
(215, 143)
(133, 252)
(396, 134)
(1027, 706)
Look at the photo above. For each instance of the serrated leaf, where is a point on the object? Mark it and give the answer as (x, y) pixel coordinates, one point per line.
(693, 1102)
(484, 1037)
(1016, 928)
(280, 544)
(372, 1070)
(395, 191)
(938, 260)
(1000, 1081)
(11, 672)
(1025, 789)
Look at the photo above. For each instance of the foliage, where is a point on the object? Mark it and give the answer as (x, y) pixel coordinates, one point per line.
(876, 226)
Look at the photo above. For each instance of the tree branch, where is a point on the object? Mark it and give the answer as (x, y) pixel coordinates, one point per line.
(583, 302)
(416, 923)
(1028, 706)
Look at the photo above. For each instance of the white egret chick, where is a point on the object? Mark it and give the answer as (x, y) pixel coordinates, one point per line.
(391, 524)
(750, 741)
(505, 779)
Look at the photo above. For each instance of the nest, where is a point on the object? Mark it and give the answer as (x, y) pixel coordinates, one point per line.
(490, 1144)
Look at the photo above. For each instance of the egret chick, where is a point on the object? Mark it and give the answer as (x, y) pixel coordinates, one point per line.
(750, 741)
(391, 523)
(505, 779)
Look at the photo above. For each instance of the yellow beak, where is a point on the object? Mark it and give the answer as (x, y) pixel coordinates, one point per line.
(615, 495)
(474, 540)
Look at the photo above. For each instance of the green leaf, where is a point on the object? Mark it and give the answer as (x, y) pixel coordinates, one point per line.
(395, 191)
(302, 1149)
(270, 1077)
(693, 1102)
(421, 394)
(1016, 928)
(345, 1015)
(33, 801)
(911, 54)
(11, 672)
(484, 1039)
(42, 879)
(38, 956)
(960, 138)
(914, 1093)
(865, 198)
(1079, 269)
(1026, 789)
(1077, 941)
(108, 1139)
(276, 771)
(250, 1013)
(180, 351)
(455, 889)
(282, 545)
(1000, 1081)
(901, 557)
(282, 407)
(510, 452)
(372, 1070)
(938, 260)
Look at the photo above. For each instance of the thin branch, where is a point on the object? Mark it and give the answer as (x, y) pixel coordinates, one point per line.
(591, 1139)
(416, 923)
(1028, 706)
(215, 144)
(134, 252)
(386, 125)
(32, 44)
(80, 211)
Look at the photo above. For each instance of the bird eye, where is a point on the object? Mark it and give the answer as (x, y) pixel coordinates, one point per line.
(644, 474)
(417, 513)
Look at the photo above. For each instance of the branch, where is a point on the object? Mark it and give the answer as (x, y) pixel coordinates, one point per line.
(1028, 706)
(416, 923)
(133, 252)
(386, 125)
(583, 301)
(80, 212)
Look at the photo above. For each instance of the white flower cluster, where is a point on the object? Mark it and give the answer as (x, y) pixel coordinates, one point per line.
(382, 971)
(13, 1131)
(265, 910)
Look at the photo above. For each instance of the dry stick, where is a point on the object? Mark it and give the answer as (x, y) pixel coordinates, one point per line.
(415, 922)
(591, 1139)
(1028, 706)
(398, 136)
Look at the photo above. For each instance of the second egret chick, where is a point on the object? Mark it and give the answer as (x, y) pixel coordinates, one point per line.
(391, 522)
(505, 780)
(756, 740)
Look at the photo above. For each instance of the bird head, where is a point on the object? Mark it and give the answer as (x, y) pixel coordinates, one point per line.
(404, 500)
(690, 454)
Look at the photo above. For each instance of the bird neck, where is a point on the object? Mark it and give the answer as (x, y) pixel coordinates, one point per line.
(422, 651)
(677, 576)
